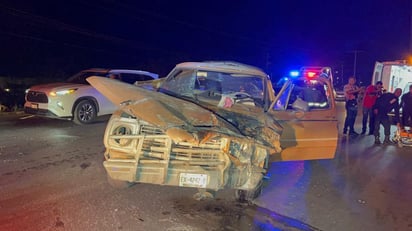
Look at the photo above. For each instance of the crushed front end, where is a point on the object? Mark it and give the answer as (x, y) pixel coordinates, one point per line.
(137, 151)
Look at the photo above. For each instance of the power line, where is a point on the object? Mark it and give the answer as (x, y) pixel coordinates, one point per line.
(171, 20)
(57, 25)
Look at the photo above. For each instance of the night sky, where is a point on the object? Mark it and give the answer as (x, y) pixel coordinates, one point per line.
(54, 39)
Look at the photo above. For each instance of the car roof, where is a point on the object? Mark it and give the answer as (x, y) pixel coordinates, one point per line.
(153, 75)
(224, 66)
(102, 70)
(119, 71)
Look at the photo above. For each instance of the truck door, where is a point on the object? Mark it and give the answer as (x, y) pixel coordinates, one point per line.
(306, 110)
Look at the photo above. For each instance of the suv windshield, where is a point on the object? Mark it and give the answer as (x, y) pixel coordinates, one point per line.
(212, 85)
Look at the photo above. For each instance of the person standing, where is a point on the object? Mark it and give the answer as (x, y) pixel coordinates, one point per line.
(383, 105)
(351, 105)
(372, 92)
(406, 105)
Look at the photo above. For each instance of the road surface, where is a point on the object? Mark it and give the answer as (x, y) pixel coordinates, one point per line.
(52, 178)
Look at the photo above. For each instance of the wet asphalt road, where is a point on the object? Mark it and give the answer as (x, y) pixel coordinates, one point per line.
(366, 186)
(51, 178)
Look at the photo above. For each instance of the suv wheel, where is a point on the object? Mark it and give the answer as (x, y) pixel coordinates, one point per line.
(85, 112)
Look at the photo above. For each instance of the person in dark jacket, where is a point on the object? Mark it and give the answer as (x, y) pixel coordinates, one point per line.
(383, 105)
(406, 105)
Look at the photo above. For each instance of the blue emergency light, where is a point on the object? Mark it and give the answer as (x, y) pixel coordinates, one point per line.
(294, 73)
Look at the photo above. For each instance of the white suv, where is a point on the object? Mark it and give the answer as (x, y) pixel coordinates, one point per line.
(75, 99)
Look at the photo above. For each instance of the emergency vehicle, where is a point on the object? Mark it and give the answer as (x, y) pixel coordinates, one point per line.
(393, 74)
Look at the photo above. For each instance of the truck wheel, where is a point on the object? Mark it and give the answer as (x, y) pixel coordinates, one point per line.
(85, 112)
(119, 184)
(244, 196)
(204, 194)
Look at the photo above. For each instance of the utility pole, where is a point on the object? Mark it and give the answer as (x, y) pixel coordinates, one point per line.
(268, 62)
(355, 60)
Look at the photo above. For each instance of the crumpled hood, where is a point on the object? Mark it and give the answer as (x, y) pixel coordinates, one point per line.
(183, 120)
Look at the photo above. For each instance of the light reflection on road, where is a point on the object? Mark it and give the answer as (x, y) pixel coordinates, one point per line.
(366, 187)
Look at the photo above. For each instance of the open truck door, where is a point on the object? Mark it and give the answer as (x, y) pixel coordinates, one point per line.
(306, 110)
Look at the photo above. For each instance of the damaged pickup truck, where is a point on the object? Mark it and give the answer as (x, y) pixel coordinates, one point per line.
(214, 125)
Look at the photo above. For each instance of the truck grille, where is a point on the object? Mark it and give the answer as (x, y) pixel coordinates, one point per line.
(37, 97)
(139, 152)
(153, 144)
(159, 147)
(209, 151)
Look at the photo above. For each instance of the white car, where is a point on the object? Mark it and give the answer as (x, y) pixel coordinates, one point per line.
(339, 95)
(76, 99)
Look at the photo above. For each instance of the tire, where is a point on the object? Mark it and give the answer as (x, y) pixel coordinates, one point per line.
(119, 184)
(204, 194)
(246, 196)
(85, 112)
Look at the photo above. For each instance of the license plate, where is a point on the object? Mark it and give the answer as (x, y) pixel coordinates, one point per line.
(34, 106)
(193, 180)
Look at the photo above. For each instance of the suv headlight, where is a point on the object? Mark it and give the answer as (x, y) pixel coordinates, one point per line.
(63, 92)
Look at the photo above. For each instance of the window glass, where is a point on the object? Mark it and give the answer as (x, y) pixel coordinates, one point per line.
(203, 85)
(180, 82)
(312, 93)
(283, 99)
(132, 78)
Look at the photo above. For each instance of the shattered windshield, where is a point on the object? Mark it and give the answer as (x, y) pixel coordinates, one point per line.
(212, 85)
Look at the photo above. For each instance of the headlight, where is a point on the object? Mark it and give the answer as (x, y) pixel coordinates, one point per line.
(63, 92)
(27, 90)
(121, 131)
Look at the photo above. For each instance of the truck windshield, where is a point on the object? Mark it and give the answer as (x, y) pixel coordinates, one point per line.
(212, 84)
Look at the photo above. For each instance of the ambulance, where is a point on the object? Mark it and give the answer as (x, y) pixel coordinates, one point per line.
(393, 74)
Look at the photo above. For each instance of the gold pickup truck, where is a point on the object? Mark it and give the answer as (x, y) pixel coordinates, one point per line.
(215, 125)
